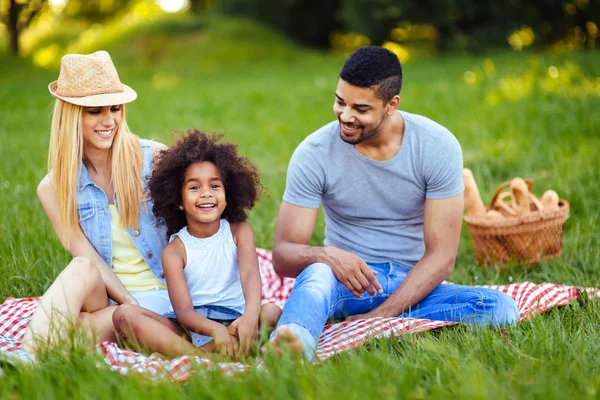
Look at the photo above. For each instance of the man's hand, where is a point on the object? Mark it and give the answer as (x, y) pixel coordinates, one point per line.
(226, 344)
(352, 271)
(245, 328)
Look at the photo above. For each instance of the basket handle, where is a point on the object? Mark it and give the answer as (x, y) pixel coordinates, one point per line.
(503, 186)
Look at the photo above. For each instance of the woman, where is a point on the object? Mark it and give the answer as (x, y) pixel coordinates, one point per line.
(96, 198)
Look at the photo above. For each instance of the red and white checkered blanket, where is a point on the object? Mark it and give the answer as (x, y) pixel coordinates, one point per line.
(531, 298)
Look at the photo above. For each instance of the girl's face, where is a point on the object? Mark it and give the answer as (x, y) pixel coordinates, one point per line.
(100, 125)
(203, 193)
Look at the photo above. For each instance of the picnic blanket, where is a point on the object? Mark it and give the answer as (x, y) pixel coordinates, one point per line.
(531, 298)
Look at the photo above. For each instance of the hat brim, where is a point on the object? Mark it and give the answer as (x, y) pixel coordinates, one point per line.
(99, 100)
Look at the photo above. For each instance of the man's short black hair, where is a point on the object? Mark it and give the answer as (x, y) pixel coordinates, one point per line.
(373, 65)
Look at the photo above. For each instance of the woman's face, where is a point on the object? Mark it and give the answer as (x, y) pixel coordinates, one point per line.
(100, 125)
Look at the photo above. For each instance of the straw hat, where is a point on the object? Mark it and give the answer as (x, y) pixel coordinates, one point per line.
(90, 80)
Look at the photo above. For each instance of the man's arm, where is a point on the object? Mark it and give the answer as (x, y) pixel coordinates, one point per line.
(292, 253)
(442, 225)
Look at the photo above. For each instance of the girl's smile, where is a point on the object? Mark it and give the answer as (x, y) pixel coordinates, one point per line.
(203, 197)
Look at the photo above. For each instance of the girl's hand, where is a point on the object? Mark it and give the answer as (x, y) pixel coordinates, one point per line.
(245, 328)
(226, 343)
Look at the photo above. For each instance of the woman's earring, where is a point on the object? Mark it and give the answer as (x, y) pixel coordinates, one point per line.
(181, 208)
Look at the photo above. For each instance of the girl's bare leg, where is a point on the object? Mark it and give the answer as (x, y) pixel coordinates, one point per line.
(155, 333)
(77, 292)
(152, 332)
(269, 315)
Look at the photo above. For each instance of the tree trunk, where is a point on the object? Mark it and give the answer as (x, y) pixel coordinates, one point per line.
(13, 28)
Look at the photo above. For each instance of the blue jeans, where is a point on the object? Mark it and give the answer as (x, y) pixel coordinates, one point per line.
(222, 315)
(318, 295)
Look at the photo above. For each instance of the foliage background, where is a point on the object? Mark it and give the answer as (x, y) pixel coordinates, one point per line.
(531, 112)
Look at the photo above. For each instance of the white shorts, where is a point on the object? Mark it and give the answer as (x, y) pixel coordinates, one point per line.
(156, 300)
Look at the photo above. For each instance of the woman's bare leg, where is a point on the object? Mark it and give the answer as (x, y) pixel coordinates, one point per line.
(78, 289)
(98, 324)
(152, 332)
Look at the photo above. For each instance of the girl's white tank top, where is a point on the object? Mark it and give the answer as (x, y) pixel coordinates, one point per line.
(212, 271)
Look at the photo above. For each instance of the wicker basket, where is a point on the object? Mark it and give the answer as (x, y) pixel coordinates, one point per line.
(526, 239)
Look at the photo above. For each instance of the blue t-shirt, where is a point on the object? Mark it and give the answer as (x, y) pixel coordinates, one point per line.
(375, 209)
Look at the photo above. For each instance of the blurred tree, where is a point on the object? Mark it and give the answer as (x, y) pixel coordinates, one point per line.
(475, 24)
(470, 25)
(17, 15)
(94, 10)
(373, 18)
(198, 6)
(309, 22)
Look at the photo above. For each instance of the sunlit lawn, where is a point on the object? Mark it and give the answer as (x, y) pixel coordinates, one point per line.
(515, 114)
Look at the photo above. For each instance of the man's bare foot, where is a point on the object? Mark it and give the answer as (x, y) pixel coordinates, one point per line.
(286, 339)
(156, 354)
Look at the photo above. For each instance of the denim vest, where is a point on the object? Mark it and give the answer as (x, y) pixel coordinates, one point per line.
(94, 218)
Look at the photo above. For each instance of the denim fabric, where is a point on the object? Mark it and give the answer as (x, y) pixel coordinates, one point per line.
(94, 218)
(318, 295)
(222, 315)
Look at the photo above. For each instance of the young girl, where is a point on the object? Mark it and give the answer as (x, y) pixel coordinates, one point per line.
(201, 190)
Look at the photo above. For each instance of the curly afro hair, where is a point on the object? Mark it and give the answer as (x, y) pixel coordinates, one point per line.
(374, 66)
(240, 177)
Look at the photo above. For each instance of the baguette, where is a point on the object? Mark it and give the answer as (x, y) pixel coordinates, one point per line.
(494, 215)
(520, 196)
(473, 201)
(550, 200)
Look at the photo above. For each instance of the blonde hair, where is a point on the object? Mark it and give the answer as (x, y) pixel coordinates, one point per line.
(65, 159)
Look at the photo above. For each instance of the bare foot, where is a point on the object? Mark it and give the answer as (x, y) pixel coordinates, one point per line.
(156, 354)
(286, 339)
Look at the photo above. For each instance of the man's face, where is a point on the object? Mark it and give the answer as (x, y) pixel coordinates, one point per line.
(359, 112)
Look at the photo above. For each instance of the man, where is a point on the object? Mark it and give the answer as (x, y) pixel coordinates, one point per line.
(390, 183)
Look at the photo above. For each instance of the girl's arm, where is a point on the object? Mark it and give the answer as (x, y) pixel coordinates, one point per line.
(173, 261)
(246, 326)
(80, 246)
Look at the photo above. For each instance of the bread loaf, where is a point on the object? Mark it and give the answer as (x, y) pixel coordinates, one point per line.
(494, 215)
(550, 200)
(473, 201)
(520, 196)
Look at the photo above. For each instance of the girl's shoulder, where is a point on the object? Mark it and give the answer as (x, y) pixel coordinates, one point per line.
(241, 230)
(174, 251)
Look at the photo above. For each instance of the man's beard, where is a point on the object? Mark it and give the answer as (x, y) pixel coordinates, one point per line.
(363, 136)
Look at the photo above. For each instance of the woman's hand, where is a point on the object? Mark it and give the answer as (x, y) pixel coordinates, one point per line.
(245, 328)
(226, 343)
(129, 299)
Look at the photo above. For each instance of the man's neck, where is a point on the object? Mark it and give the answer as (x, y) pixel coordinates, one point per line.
(386, 143)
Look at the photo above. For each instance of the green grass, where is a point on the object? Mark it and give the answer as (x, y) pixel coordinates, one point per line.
(266, 94)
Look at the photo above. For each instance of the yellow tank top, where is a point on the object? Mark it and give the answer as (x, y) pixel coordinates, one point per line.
(127, 262)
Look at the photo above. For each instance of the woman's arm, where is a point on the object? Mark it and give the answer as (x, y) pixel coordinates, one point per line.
(80, 246)
(156, 148)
